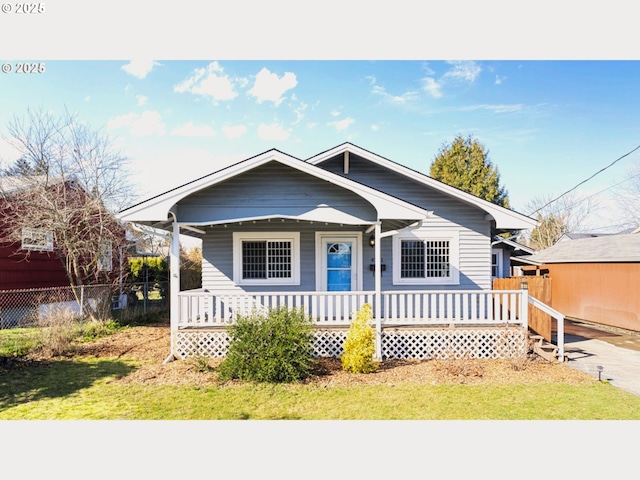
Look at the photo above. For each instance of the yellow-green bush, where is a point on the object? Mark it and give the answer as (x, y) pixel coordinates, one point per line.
(359, 347)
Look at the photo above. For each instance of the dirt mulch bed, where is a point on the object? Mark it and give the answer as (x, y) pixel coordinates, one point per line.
(151, 345)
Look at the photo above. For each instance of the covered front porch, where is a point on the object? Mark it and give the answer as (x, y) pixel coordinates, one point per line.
(409, 324)
(280, 232)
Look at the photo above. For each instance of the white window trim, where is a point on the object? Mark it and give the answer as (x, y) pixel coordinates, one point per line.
(453, 236)
(293, 237)
(105, 257)
(498, 253)
(30, 233)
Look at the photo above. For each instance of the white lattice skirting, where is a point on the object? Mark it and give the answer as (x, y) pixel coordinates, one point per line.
(403, 344)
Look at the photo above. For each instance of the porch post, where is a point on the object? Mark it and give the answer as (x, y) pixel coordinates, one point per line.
(378, 291)
(174, 287)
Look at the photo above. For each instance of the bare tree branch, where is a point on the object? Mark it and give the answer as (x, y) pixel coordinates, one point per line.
(556, 217)
(67, 182)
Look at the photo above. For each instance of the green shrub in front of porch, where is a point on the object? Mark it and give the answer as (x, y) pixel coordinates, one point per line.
(274, 348)
(359, 347)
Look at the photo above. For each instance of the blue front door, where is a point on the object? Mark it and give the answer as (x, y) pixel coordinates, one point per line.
(339, 266)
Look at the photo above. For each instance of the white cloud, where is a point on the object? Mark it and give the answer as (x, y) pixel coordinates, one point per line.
(427, 70)
(341, 125)
(121, 121)
(403, 99)
(269, 87)
(209, 82)
(141, 125)
(141, 100)
(189, 129)
(335, 113)
(299, 111)
(272, 132)
(375, 128)
(500, 79)
(234, 131)
(87, 98)
(467, 71)
(432, 87)
(149, 123)
(139, 68)
(494, 108)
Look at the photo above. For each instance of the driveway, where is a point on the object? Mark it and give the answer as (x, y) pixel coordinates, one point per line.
(616, 351)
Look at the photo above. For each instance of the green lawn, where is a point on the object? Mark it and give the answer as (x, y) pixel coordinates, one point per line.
(86, 390)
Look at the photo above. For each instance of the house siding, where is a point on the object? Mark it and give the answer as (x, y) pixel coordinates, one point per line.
(449, 214)
(276, 189)
(37, 270)
(293, 190)
(217, 254)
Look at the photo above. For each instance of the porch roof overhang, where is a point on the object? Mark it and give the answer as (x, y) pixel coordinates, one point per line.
(504, 218)
(157, 211)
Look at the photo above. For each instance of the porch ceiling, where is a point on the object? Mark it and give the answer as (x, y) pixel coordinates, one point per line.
(196, 229)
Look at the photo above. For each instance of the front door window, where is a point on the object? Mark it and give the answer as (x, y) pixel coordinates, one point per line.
(339, 266)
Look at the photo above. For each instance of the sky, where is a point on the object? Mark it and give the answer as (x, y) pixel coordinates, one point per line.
(547, 125)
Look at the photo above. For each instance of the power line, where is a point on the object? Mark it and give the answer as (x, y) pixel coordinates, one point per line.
(585, 181)
(632, 177)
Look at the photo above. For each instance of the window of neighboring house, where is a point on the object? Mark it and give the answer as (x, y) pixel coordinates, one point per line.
(105, 257)
(266, 258)
(424, 258)
(496, 263)
(37, 239)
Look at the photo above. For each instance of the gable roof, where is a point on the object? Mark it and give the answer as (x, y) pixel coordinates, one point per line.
(159, 207)
(610, 248)
(515, 246)
(505, 219)
(17, 183)
(577, 236)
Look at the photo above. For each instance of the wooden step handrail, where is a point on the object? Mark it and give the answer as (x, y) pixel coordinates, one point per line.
(559, 318)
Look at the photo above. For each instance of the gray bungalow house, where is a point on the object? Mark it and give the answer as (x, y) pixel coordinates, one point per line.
(343, 228)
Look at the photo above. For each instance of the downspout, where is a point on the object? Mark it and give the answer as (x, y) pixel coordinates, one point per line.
(413, 226)
(174, 284)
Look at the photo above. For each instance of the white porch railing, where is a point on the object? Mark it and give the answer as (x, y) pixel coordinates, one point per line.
(455, 307)
(560, 323)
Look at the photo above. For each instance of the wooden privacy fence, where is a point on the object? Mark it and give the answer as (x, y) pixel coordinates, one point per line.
(540, 288)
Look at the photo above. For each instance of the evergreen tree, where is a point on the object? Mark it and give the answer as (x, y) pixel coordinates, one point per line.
(465, 164)
(26, 166)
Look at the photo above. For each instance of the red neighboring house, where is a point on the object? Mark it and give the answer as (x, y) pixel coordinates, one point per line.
(21, 269)
(35, 262)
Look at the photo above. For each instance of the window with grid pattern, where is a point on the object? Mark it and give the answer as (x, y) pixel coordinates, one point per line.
(412, 259)
(266, 259)
(259, 259)
(425, 258)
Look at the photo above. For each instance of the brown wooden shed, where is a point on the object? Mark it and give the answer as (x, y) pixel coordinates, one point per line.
(596, 279)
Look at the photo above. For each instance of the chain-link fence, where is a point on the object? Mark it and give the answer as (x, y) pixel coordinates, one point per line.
(143, 297)
(34, 307)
